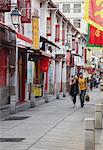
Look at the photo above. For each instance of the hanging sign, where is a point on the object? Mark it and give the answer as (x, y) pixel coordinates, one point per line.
(63, 37)
(57, 33)
(95, 37)
(5, 5)
(76, 47)
(94, 13)
(25, 7)
(35, 32)
(49, 26)
(73, 44)
(68, 59)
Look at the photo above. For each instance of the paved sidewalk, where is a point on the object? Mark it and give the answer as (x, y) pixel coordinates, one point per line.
(52, 126)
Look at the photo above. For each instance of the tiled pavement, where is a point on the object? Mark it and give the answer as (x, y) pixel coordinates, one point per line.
(52, 126)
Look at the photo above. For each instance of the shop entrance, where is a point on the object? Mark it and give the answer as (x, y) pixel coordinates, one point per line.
(22, 74)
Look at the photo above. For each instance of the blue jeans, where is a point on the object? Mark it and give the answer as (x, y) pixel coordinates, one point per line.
(82, 96)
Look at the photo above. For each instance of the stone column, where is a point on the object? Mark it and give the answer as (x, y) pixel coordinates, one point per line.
(46, 92)
(89, 136)
(52, 77)
(12, 104)
(98, 116)
(64, 79)
(58, 79)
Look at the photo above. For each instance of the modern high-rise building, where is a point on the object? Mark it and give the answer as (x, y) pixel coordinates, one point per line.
(74, 11)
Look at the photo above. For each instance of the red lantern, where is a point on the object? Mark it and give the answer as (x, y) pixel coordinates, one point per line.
(44, 65)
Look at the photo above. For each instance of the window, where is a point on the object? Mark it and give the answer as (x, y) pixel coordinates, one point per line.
(76, 23)
(77, 8)
(66, 8)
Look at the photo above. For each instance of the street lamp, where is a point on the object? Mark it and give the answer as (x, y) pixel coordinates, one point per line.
(15, 17)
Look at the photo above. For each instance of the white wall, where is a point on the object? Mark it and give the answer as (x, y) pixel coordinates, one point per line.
(73, 15)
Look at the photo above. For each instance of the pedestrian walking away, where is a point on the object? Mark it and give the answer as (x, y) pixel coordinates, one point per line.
(74, 89)
(91, 82)
(82, 88)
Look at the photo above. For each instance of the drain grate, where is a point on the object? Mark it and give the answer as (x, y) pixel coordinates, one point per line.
(11, 139)
(17, 118)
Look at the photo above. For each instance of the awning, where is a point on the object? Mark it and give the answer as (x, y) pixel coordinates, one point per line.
(3, 25)
(35, 55)
(24, 38)
(58, 57)
(7, 37)
(42, 39)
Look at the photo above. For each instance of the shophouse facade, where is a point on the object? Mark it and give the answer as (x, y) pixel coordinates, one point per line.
(46, 47)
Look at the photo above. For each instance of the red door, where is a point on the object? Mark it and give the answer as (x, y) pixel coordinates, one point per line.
(22, 76)
(3, 67)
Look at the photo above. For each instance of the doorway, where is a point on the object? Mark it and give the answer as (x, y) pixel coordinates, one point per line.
(22, 65)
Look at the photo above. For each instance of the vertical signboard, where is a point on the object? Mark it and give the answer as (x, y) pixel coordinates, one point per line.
(49, 25)
(68, 59)
(35, 32)
(57, 33)
(76, 47)
(63, 37)
(25, 7)
(5, 5)
(73, 44)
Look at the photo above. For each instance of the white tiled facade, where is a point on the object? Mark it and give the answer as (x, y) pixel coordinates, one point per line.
(74, 11)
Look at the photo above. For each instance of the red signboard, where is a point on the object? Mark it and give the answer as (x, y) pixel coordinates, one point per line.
(25, 7)
(68, 58)
(95, 37)
(73, 44)
(49, 26)
(63, 37)
(57, 33)
(94, 13)
(5, 5)
(3, 67)
(76, 47)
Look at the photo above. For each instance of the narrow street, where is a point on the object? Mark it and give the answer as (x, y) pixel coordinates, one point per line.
(52, 126)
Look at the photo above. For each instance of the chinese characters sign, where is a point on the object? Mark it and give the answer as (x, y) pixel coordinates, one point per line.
(25, 8)
(63, 37)
(35, 32)
(49, 26)
(5, 5)
(94, 13)
(95, 37)
(57, 33)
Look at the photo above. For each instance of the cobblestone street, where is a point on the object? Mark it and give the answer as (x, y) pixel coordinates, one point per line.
(52, 126)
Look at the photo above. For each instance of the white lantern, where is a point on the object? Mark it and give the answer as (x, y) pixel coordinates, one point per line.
(15, 17)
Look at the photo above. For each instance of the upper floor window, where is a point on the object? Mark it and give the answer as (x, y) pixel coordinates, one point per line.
(77, 23)
(66, 8)
(77, 8)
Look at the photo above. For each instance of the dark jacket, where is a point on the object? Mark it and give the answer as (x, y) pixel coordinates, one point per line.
(74, 89)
